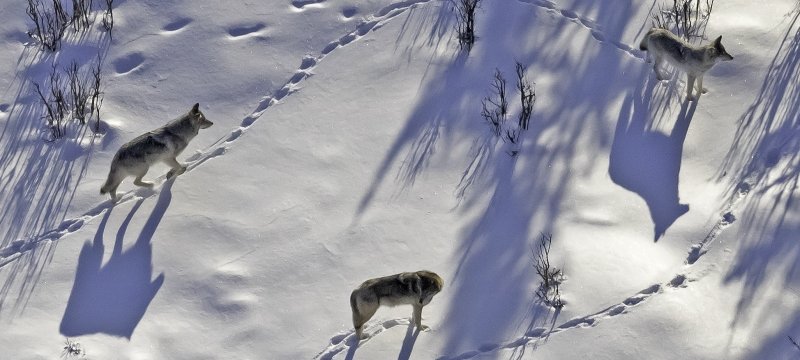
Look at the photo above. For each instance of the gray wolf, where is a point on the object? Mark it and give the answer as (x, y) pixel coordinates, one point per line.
(662, 45)
(163, 144)
(408, 288)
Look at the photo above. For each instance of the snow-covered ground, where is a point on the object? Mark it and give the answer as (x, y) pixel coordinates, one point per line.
(348, 144)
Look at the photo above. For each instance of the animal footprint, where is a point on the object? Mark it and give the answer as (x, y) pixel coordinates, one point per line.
(4, 109)
(176, 25)
(349, 11)
(128, 63)
(245, 30)
(301, 4)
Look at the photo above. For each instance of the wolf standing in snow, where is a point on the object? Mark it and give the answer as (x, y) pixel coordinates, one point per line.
(663, 45)
(162, 144)
(408, 288)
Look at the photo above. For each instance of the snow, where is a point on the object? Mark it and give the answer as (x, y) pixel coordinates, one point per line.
(348, 144)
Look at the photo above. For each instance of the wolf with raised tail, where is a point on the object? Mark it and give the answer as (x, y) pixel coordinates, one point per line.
(663, 45)
(160, 145)
(408, 288)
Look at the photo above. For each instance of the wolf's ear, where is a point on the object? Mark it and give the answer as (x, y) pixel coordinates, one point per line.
(196, 108)
(718, 40)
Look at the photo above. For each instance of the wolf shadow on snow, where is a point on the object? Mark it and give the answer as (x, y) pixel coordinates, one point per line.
(511, 198)
(646, 160)
(112, 298)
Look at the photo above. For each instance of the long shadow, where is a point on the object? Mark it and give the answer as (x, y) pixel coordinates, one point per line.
(763, 164)
(430, 118)
(509, 199)
(538, 318)
(523, 195)
(408, 342)
(351, 351)
(39, 178)
(646, 160)
(779, 346)
(112, 298)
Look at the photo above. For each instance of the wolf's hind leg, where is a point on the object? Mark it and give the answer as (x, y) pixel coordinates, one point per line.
(138, 181)
(361, 315)
(115, 178)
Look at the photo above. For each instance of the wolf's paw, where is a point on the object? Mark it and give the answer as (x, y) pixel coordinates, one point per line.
(424, 328)
(146, 184)
(175, 172)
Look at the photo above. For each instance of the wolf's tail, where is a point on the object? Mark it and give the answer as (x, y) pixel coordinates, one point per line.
(353, 303)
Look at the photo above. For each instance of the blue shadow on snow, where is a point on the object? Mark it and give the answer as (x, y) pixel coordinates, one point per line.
(112, 298)
(647, 161)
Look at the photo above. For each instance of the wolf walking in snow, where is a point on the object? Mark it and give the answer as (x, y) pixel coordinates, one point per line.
(408, 288)
(663, 45)
(162, 144)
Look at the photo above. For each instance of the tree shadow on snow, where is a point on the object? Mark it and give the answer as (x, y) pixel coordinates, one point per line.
(39, 177)
(762, 168)
(779, 345)
(112, 298)
(646, 160)
(510, 199)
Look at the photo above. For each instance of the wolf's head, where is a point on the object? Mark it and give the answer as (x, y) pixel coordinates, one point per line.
(198, 119)
(717, 51)
(431, 284)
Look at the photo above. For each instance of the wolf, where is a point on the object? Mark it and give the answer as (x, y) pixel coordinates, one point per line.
(407, 288)
(694, 60)
(162, 144)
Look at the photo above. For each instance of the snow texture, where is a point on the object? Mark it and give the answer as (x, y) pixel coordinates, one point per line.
(348, 144)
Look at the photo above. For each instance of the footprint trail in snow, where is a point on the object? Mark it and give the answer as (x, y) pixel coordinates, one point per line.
(18, 248)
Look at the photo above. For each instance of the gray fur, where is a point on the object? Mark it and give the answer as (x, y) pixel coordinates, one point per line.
(160, 145)
(408, 288)
(694, 60)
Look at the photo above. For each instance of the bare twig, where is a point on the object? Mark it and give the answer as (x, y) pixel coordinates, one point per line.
(33, 11)
(80, 14)
(465, 22)
(72, 349)
(549, 289)
(108, 17)
(495, 106)
(97, 95)
(686, 18)
(49, 23)
(794, 343)
(58, 100)
(527, 97)
(79, 92)
(54, 104)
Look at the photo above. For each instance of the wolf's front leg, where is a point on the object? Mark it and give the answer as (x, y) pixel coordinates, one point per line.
(177, 168)
(417, 317)
(700, 89)
(689, 87)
